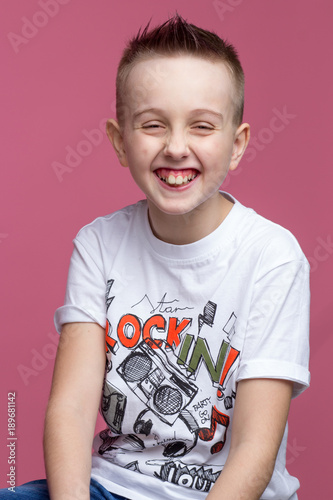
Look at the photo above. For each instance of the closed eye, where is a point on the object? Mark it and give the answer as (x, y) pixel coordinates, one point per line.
(153, 128)
(203, 126)
(151, 125)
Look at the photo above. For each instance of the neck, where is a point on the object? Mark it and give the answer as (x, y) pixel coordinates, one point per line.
(193, 226)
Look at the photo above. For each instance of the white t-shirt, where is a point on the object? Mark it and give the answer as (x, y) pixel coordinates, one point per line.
(185, 323)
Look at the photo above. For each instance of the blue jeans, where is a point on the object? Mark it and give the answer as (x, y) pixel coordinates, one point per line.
(37, 490)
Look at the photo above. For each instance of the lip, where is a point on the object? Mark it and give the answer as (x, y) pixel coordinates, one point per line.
(175, 169)
(171, 187)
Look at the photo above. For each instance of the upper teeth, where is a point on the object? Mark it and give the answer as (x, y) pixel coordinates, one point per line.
(179, 179)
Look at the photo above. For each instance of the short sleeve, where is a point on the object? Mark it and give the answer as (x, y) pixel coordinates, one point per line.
(85, 292)
(276, 342)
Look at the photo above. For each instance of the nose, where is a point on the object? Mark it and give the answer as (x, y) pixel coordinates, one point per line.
(176, 145)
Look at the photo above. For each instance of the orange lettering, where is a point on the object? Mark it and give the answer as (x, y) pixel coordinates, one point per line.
(129, 330)
(176, 329)
(159, 323)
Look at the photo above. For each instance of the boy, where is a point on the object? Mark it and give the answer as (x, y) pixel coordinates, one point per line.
(204, 302)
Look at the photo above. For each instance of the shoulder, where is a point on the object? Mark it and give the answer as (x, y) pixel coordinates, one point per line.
(280, 242)
(108, 228)
(264, 243)
(280, 256)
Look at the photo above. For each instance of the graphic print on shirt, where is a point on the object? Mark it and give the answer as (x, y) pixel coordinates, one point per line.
(190, 476)
(167, 349)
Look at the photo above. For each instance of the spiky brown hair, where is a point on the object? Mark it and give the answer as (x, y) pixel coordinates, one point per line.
(177, 37)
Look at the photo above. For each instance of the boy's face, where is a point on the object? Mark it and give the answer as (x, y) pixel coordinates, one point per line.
(178, 137)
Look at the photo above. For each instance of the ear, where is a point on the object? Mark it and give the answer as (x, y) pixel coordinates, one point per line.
(115, 135)
(242, 137)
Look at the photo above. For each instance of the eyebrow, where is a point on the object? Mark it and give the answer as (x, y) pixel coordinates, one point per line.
(207, 111)
(150, 110)
(192, 113)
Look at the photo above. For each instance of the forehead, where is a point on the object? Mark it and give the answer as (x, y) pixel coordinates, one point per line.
(172, 81)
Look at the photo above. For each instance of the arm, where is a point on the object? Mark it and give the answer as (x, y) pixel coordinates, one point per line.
(72, 410)
(260, 417)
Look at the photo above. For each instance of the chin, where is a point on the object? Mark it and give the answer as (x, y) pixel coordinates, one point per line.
(177, 211)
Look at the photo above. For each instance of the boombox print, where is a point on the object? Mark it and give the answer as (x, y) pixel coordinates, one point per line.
(158, 384)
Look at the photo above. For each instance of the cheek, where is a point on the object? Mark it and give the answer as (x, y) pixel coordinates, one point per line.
(215, 156)
(142, 147)
(222, 154)
(133, 150)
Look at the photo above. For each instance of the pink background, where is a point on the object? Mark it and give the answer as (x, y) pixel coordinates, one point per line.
(58, 70)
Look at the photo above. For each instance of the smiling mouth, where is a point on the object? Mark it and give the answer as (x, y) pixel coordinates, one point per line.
(176, 177)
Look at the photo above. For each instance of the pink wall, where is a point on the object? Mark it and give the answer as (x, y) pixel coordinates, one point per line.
(58, 67)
